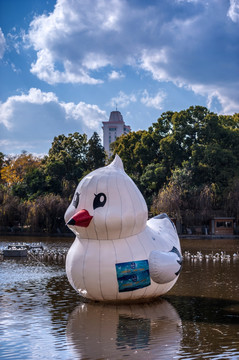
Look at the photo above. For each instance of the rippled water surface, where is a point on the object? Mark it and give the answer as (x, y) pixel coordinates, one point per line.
(43, 318)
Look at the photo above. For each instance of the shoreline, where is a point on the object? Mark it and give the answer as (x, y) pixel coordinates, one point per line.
(208, 237)
(18, 234)
(71, 235)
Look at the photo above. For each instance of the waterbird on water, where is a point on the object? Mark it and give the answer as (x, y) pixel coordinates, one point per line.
(217, 256)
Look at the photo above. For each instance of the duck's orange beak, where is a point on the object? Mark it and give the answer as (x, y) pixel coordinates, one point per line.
(82, 218)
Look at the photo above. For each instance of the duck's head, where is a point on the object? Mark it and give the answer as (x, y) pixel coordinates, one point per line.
(107, 205)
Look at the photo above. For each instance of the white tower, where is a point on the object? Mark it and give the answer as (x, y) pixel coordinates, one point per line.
(113, 129)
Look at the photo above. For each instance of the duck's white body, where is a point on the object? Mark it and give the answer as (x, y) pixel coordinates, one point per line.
(118, 255)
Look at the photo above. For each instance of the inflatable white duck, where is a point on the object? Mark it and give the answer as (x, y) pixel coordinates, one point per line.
(117, 254)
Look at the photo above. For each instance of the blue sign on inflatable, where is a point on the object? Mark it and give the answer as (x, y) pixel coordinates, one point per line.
(132, 275)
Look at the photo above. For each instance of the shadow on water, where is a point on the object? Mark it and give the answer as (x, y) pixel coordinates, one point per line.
(207, 310)
(210, 327)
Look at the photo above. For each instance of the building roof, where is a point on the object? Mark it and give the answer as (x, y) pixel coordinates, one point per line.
(115, 116)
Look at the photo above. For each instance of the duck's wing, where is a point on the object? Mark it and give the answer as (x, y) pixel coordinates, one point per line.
(165, 266)
(162, 222)
(165, 230)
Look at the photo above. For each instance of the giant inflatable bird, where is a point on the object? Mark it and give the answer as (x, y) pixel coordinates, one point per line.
(117, 254)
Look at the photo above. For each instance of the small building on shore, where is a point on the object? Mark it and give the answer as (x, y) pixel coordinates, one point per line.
(222, 226)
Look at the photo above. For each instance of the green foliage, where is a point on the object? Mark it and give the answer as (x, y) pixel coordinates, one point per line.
(232, 198)
(33, 185)
(191, 150)
(1, 160)
(127, 147)
(152, 179)
(70, 157)
(213, 164)
(35, 192)
(66, 161)
(95, 157)
(185, 164)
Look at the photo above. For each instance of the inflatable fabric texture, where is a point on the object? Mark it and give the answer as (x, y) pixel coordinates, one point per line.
(119, 255)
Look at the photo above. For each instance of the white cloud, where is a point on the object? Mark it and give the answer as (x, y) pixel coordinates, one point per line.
(225, 97)
(33, 118)
(94, 61)
(155, 101)
(14, 40)
(45, 69)
(123, 100)
(88, 114)
(187, 42)
(35, 96)
(2, 44)
(72, 36)
(200, 54)
(116, 75)
(233, 11)
(154, 61)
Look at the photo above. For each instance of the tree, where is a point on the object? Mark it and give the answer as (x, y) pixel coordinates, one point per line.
(163, 126)
(184, 132)
(206, 202)
(95, 156)
(169, 200)
(46, 214)
(232, 199)
(15, 169)
(213, 164)
(125, 146)
(1, 164)
(152, 179)
(33, 185)
(185, 162)
(13, 212)
(66, 162)
(1, 160)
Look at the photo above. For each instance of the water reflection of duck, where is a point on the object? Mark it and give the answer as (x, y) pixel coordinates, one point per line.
(97, 331)
(117, 254)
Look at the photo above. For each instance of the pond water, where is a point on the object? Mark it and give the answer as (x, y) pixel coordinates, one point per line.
(43, 318)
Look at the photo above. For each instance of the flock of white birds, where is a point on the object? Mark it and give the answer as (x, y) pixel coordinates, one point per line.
(222, 255)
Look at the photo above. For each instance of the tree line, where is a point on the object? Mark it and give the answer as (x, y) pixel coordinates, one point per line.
(35, 192)
(185, 164)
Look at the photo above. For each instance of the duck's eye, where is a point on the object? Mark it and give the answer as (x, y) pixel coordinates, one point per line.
(76, 200)
(99, 200)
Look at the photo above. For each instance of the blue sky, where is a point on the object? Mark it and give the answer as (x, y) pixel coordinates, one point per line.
(66, 64)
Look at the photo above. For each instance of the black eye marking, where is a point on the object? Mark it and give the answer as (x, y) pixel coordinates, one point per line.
(76, 200)
(99, 200)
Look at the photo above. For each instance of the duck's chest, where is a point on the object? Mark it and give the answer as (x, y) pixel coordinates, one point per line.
(121, 265)
(134, 248)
